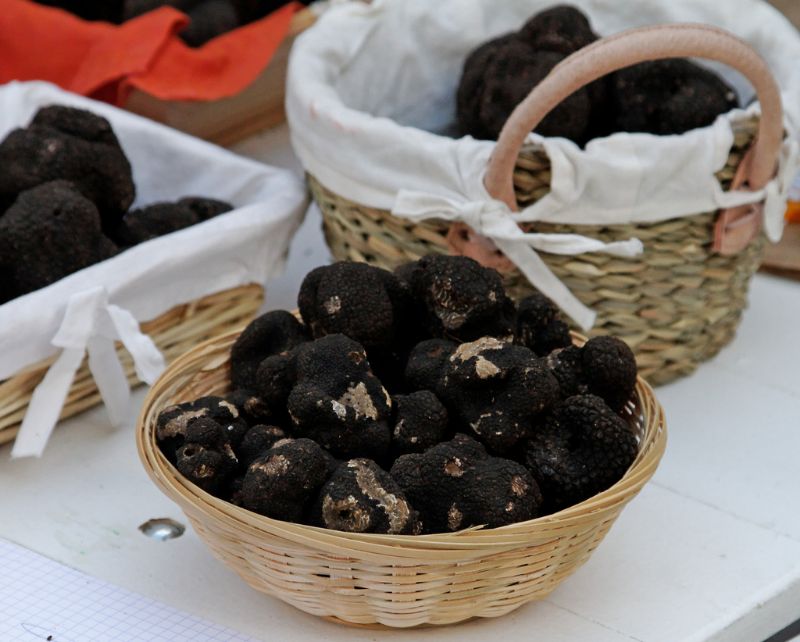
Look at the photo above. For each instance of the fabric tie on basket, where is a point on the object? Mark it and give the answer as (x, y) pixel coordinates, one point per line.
(494, 220)
(91, 324)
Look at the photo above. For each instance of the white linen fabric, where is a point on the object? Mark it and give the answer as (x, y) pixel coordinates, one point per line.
(88, 310)
(371, 97)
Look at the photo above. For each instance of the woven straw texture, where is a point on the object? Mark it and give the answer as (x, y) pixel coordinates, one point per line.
(676, 305)
(395, 581)
(174, 332)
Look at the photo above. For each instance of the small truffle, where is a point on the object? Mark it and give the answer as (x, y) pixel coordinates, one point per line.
(50, 231)
(539, 325)
(420, 421)
(205, 208)
(582, 449)
(206, 467)
(456, 485)
(258, 440)
(563, 29)
(70, 144)
(285, 479)
(427, 363)
(158, 219)
(459, 299)
(252, 408)
(270, 334)
(566, 366)
(361, 497)
(609, 370)
(338, 402)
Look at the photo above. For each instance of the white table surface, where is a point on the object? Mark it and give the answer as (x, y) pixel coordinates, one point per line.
(710, 550)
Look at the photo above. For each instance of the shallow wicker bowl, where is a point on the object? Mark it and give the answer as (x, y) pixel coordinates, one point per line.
(391, 580)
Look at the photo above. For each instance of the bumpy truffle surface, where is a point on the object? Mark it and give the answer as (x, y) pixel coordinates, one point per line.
(283, 480)
(563, 29)
(609, 370)
(338, 402)
(138, 226)
(582, 449)
(257, 440)
(251, 407)
(497, 390)
(361, 497)
(427, 362)
(51, 231)
(420, 421)
(460, 299)
(539, 325)
(456, 484)
(270, 334)
(75, 145)
(566, 366)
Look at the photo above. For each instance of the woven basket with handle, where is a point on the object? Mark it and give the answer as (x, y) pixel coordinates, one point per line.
(679, 302)
(173, 332)
(390, 580)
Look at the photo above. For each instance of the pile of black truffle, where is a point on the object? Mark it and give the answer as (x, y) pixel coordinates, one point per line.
(419, 401)
(207, 18)
(65, 189)
(661, 97)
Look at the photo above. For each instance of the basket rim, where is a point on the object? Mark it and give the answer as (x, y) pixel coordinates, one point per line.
(192, 499)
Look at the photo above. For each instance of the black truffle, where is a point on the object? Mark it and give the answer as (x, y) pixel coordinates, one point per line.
(204, 466)
(609, 370)
(285, 479)
(361, 497)
(566, 366)
(51, 231)
(563, 29)
(205, 208)
(150, 222)
(427, 363)
(456, 485)
(338, 402)
(539, 325)
(582, 449)
(75, 145)
(420, 421)
(270, 334)
(460, 299)
(252, 408)
(257, 440)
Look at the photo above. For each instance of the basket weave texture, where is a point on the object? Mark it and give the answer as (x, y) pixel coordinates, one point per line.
(676, 305)
(390, 580)
(174, 332)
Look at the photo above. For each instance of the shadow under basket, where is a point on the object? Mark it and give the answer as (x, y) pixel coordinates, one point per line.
(389, 580)
(676, 305)
(174, 332)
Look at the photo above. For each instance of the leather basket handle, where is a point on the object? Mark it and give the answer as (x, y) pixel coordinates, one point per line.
(624, 50)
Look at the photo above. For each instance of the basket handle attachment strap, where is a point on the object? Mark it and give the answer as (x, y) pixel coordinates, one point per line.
(736, 226)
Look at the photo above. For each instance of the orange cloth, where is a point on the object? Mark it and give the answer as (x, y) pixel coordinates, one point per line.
(793, 212)
(106, 61)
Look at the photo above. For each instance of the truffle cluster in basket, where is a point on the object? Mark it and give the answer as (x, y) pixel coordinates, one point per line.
(660, 97)
(65, 190)
(207, 18)
(418, 401)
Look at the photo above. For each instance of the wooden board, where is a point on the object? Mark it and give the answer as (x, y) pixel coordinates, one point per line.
(784, 257)
(229, 120)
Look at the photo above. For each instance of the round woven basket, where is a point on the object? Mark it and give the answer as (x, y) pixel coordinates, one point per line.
(676, 304)
(390, 580)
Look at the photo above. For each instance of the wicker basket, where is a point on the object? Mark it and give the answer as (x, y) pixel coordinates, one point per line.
(173, 332)
(676, 305)
(395, 581)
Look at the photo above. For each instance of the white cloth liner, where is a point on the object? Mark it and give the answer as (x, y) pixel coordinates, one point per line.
(369, 87)
(91, 308)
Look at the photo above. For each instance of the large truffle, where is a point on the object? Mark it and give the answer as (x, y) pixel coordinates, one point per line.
(582, 449)
(420, 421)
(285, 479)
(273, 333)
(71, 144)
(457, 298)
(51, 231)
(540, 326)
(338, 402)
(360, 497)
(456, 485)
(497, 390)
(609, 370)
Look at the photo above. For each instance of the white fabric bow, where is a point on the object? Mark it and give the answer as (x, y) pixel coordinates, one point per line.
(493, 219)
(90, 324)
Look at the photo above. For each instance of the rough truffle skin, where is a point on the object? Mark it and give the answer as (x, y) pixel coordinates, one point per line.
(257, 440)
(563, 29)
(456, 485)
(285, 479)
(51, 231)
(206, 467)
(459, 299)
(539, 325)
(609, 370)
(360, 497)
(497, 391)
(75, 145)
(566, 366)
(420, 421)
(251, 407)
(427, 362)
(152, 221)
(364, 302)
(270, 334)
(581, 450)
(669, 97)
(338, 402)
